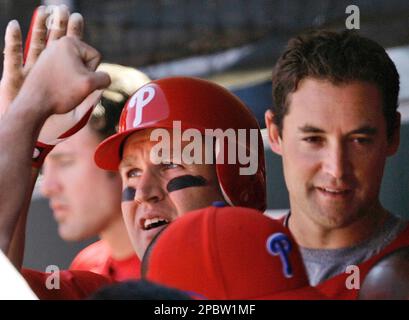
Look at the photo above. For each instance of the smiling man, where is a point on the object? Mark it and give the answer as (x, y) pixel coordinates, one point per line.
(335, 122)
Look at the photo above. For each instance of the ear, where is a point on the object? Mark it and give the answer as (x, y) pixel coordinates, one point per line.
(274, 138)
(393, 143)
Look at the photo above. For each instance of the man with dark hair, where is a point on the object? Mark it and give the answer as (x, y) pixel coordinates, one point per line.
(334, 122)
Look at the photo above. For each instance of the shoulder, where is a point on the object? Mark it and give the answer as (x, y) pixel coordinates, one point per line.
(91, 258)
(64, 284)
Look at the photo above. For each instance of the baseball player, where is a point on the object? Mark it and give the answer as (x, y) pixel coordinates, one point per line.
(156, 193)
(335, 122)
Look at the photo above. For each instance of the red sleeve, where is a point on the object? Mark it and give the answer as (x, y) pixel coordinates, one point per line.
(97, 258)
(92, 258)
(72, 284)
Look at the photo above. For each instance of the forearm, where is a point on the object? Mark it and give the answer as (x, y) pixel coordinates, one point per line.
(19, 129)
(17, 245)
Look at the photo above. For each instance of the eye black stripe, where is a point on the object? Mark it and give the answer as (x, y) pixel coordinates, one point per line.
(186, 181)
(128, 194)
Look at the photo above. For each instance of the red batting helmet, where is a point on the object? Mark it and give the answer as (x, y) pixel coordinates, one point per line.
(201, 105)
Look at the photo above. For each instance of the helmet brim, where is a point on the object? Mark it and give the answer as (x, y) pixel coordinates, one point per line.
(108, 153)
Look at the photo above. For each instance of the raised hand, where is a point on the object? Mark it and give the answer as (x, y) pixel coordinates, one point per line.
(64, 75)
(48, 24)
(53, 80)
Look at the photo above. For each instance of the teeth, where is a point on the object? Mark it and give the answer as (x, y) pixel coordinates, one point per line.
(150, 223)
(333, 191)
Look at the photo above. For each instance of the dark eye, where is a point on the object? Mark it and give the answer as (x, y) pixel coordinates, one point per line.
(171, 165)
(362, 140)
(313, 139)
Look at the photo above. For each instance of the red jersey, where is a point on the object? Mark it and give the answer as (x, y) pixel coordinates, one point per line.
(97, 258)
(71, 284)
(335, 287)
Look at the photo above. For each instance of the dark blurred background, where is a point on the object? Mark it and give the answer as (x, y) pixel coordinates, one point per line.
(233, 42)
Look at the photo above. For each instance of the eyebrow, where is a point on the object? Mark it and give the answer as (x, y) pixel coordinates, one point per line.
(366, 129)
(310, 129)
(126, 162)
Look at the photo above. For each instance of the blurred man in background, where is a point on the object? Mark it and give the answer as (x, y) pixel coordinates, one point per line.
(86, 201)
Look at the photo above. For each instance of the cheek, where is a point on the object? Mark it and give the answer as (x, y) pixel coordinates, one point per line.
(369, 169)
(300, 163)
(194, 198)
(107, 191)
(183, 201)
(128, 213)
(82, 178)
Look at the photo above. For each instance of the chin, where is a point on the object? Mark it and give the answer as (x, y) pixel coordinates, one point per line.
(336, 220)
(67, 235)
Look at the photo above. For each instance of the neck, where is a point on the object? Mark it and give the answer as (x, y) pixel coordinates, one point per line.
(116, 237)
(310, 234)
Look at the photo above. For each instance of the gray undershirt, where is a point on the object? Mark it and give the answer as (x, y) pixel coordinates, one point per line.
(322, 264)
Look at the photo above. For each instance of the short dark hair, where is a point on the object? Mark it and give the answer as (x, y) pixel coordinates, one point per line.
(339, 57)
(105, 117)
(139, 290)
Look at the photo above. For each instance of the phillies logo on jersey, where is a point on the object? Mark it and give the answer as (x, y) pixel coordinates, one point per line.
(146, 105)
(278, 244)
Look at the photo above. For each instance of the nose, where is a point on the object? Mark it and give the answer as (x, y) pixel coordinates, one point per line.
(49, 184)
(336, 162)
(149, 188)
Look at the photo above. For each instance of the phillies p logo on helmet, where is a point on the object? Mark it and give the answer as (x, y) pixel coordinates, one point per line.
(139, 100)
(278, 244)
(145, 106)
